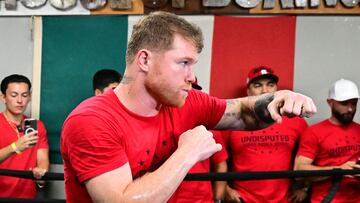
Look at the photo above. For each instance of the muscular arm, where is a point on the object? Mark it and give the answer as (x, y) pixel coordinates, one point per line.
(158, 186)
(118, 186)
(257, 112)
(304, 163)
(240, 113)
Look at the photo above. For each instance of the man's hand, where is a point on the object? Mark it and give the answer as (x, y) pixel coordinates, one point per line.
(297, 196)
(198, 143)
(27, 141)
(357, 166)
(258, 112)
(38, 174)
(349, 166)
(288, 103)
(232, 195)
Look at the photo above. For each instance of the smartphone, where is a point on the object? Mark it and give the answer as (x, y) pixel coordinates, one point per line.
(30, 125)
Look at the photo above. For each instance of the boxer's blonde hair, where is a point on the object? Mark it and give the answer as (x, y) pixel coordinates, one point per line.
(156, 32)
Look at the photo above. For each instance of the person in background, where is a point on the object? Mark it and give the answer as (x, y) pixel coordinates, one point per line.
(20, 150)
(105, 79)
(204, 191)
(333, 143)
(138, 142)
(269, 149)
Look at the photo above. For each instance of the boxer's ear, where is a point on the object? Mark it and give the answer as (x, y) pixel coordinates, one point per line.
(143, 57)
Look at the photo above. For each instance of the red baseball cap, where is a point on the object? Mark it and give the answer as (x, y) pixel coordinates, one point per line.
(195, 84)
(261, 72)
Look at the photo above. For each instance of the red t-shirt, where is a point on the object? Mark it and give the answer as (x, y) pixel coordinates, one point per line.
(200, 191)
(332, 145)
(12, 186)
(101, 135)
(270, 149)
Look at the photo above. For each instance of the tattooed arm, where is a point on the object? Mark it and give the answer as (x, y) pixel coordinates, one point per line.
(257, 112)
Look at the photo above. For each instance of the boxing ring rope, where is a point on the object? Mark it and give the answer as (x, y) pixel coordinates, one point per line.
(261, 175)
(29, 174)
(17, 200)
(230, 176)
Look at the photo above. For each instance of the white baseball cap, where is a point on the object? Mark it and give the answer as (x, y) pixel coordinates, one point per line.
(343, 90)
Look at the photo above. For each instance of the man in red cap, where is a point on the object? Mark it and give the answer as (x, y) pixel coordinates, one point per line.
(269, 149)
(261, 80)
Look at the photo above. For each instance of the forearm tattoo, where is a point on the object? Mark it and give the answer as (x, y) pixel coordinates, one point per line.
(232, 114)
(261, 110)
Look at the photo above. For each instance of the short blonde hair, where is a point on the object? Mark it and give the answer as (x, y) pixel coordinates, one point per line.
(156, 32)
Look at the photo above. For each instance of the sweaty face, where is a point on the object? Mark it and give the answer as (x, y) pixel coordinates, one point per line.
(171, 73)
(16, 98)
(344, 111)
(261, 86)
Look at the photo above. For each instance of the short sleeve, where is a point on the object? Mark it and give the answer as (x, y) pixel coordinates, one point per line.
(92, 146)
(42, 133)
(308, 144)
(208, 110)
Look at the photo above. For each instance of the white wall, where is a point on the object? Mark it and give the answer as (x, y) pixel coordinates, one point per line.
(327, 49)
(16, 48)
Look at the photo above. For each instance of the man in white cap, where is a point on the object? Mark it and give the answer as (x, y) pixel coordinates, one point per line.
(334, 143)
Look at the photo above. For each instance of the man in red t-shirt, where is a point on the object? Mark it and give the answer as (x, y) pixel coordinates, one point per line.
(20, 150)
(269, 149)
(334, 143)
(137, 142)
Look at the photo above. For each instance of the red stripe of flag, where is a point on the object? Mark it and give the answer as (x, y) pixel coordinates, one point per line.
(241, 43)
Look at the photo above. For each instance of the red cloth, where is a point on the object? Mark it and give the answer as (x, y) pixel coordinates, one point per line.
(332, 145)
(270, 149)
(12, 186)
(200, 191)
(101, 135)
